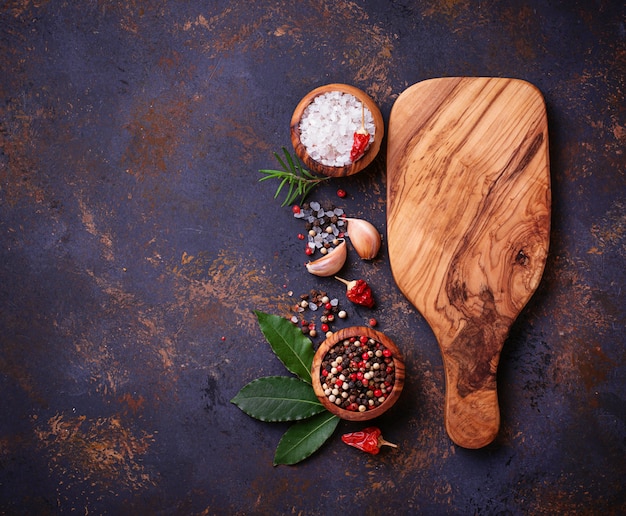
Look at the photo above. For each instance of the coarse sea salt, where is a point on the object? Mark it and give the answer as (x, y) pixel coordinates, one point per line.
(328, 125)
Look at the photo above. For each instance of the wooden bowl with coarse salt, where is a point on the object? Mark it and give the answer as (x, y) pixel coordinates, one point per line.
(323, 126)
(358, 373)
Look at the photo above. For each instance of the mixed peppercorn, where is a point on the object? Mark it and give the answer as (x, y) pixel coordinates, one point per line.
(324, 226)
(358, 374)
(318, 302)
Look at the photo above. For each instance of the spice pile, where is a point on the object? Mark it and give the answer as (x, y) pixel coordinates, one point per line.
(358, 374)
(323, 224)
(316, 301)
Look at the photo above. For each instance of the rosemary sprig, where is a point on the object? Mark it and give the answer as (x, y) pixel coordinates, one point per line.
(293, 174)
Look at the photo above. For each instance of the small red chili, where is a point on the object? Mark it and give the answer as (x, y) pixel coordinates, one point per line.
(359, 292)
(361, 139)
(369, 440)
(359, 145)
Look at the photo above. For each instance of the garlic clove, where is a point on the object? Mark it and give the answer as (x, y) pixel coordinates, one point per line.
(365, 238)
(330, 263)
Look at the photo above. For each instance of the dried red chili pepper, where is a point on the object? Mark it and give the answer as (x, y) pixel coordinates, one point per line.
(368, 440)
(359, 292)
(361, 139)
(359, 145)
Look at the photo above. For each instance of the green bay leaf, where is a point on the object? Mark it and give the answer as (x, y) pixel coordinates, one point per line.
(292, 348)
(278, 398)
(304, 438)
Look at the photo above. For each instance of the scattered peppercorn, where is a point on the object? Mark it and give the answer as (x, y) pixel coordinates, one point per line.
(373, 322)
(324, 225)
(341, 193)
(316, 302)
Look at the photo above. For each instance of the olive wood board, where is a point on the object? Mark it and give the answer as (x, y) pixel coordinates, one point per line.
(468, 226)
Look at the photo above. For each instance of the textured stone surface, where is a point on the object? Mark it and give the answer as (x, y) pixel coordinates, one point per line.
(137, 241)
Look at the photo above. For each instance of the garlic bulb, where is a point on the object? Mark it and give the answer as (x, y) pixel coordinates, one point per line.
(364, 237)
(330, 263)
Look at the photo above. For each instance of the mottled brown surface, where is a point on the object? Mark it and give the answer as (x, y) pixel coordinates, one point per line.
(136, 241)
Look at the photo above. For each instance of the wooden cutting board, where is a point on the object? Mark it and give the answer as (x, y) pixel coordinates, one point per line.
(468, 226)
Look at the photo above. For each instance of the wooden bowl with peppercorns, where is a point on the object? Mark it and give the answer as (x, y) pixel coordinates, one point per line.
(323, 128)
(358, 373)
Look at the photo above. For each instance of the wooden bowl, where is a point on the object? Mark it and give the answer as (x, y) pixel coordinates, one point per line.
(339, 336)
(360, 163)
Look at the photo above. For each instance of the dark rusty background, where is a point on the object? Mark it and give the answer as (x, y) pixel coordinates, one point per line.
(137, 241)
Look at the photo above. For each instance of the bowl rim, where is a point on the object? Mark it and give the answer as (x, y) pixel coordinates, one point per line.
(337, 337)
(360, 163)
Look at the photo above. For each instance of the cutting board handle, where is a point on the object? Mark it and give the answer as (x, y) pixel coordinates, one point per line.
(473, 422)
(472, 413)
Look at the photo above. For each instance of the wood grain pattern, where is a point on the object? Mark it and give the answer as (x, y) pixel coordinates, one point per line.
(468, 226)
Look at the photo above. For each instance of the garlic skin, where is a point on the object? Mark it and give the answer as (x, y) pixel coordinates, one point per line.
(330, 263)
(365, 238)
